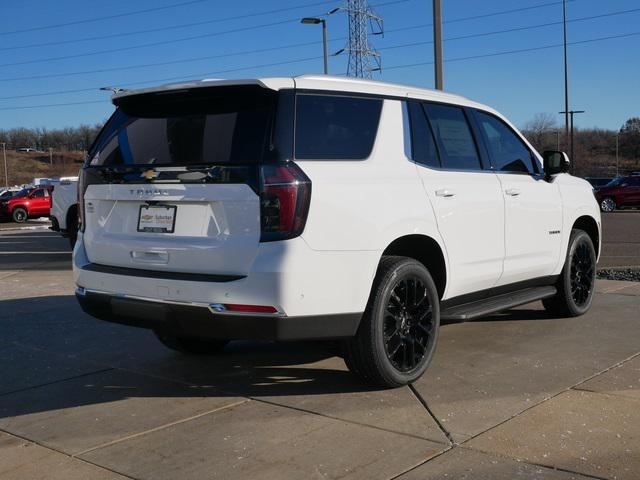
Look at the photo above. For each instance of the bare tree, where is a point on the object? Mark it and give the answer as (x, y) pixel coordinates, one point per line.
(540, 130)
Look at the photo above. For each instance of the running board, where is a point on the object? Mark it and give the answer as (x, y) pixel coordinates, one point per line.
(481, 308)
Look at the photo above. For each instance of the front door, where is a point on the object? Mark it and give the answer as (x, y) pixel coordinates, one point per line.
(40, 202)
(533, 206)
(466, 199)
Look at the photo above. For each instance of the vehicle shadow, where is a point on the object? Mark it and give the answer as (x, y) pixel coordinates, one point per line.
(95, 362)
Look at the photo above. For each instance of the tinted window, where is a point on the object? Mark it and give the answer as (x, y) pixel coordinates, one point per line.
(633, 181)
(451, 129)
(508, 153)
(423, 146)
(333, 127)
(200, 127)
(38, 194)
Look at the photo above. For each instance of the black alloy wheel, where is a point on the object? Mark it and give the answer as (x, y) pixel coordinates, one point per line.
(408, 324)
(576, 283)
(398, 333)
(582, 274)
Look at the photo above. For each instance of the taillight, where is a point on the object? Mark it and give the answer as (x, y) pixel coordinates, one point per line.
(81, 190)
(285, 194)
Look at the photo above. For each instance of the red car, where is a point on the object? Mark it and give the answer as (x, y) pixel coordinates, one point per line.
(28, 203)
(619, 192)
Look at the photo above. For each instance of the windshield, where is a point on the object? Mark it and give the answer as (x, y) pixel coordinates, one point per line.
(615, 182)
(204, 126)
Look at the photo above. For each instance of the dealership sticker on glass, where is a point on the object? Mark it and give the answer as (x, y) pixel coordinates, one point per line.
(157, 218)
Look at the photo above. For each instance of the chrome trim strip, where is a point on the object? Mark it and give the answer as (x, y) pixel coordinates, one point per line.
(215, 308)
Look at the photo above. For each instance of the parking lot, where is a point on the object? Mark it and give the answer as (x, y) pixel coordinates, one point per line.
(515, 395)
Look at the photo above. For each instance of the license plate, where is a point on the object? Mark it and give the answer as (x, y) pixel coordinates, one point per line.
(157, 218)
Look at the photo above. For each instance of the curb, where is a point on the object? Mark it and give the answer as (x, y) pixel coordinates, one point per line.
(33, 227)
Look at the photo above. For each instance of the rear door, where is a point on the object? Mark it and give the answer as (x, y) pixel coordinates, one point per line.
(466, 199)
(533, 206)
(172, 185)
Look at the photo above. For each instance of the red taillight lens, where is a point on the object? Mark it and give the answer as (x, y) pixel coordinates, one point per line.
(284, 201)
(81, 189)
(234, 307)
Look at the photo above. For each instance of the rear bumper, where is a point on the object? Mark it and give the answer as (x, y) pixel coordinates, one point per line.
(197, 320)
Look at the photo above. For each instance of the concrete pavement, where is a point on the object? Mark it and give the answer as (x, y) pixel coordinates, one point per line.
(515, 395)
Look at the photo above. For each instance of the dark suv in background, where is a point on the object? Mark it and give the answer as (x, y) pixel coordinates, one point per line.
(619, 192)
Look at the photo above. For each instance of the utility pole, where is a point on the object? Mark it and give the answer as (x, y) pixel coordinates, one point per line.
(571, 113)
(50, 156)
(437, 44)
(617, 160)
(6, 172)
(566, 78)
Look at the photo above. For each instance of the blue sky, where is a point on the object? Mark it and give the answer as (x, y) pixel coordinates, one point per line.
(604, 75)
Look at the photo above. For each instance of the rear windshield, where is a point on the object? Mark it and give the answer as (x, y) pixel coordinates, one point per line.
(203, 126)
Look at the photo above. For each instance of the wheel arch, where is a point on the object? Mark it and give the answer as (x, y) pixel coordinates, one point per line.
(427, 251)
(20, 205)
(72, 217)
(589, 225)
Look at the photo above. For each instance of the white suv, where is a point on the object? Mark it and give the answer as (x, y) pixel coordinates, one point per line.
(320, 207)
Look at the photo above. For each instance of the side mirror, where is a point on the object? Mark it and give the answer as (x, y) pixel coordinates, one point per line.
(555, 162)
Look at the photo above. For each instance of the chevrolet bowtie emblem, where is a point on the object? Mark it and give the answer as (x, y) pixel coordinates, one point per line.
(149, 174)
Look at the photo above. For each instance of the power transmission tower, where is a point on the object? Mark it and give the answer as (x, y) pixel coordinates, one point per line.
(363, 58)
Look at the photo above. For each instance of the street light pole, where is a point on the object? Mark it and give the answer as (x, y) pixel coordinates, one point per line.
(437, 44)
(571, 113)
(325, 41)
(6, 172)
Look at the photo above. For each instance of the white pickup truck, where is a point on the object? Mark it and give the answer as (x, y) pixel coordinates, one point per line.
(64, 209)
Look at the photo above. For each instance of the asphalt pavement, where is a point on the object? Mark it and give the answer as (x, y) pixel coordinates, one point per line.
(514, 395)
(621, 239)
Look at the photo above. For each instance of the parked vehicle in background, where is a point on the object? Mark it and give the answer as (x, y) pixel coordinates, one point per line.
(64, 209)
(7, 193)
(42, 181)
(619, 193)
(26, 149)
(322, 207)
(598, 181)
(28, 203)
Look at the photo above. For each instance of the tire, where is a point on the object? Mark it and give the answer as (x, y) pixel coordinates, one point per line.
(398, 332)
(194, 346)
(19, 215)
(576, 283)
(608, 204)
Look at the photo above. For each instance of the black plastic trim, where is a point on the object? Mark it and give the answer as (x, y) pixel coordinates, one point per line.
(495, 291)
(200, 322)
(497, 303)
(136, 272)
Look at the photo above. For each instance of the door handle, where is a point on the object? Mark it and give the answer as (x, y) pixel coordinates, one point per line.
(445, 192)
(512, 192)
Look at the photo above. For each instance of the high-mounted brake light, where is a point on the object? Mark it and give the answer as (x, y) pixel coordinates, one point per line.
(285, 195)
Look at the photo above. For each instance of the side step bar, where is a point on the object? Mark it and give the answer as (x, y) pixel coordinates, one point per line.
(481, 308)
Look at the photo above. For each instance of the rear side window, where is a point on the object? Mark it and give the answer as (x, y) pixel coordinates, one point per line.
(335, 127)
(507, 151)
(213, 126)
(423, 146)
(452, 132)
(38, 194)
